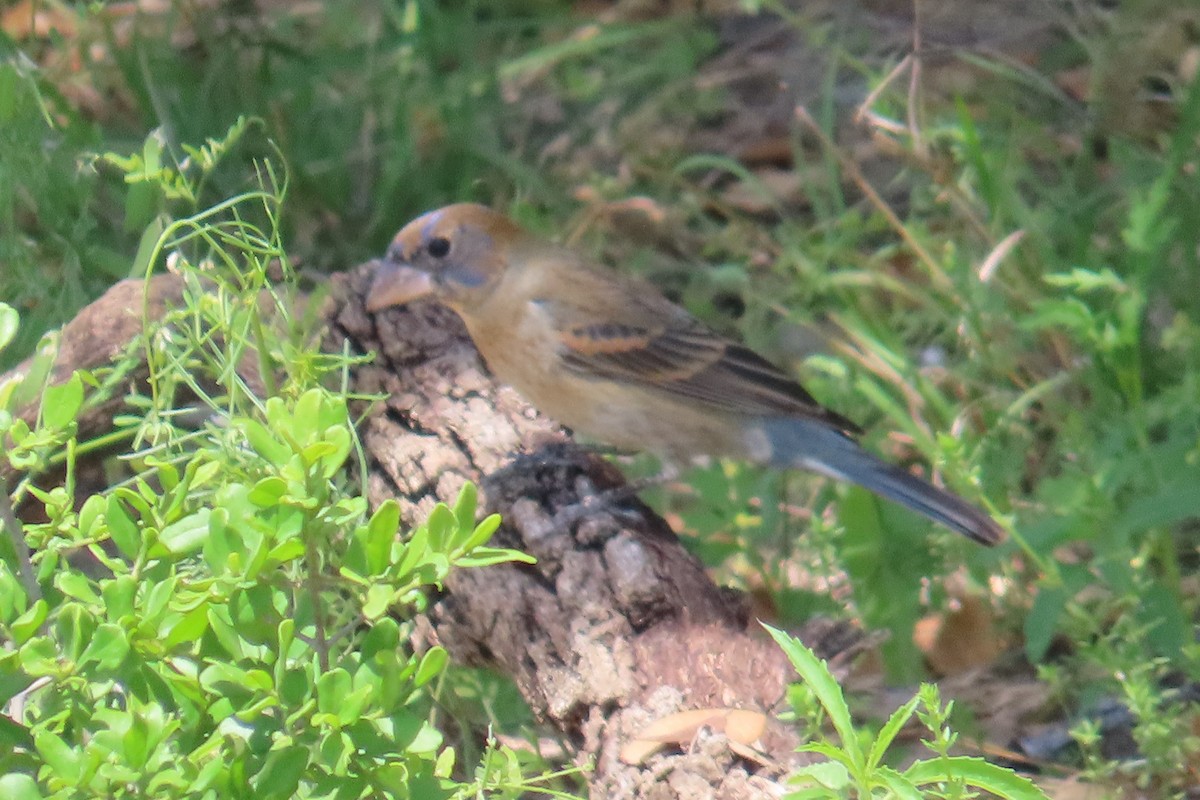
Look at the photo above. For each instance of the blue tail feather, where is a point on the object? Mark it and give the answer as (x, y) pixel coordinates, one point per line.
(811, 445)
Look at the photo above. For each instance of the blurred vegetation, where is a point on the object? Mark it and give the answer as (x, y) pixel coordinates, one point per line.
(1054, 377)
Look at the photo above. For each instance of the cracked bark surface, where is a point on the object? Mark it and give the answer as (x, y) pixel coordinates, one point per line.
(614, 627)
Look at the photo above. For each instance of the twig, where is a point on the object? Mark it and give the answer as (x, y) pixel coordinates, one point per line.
(865, 114)
(320, 643)
(914, 88)
(940, 280)
(990, 264)
(24, 562)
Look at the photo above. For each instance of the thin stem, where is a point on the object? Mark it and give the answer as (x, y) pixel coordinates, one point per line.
(939, 277)
(311, 584)
(8, 519)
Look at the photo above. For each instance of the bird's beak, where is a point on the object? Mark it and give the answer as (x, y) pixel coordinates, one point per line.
(396, 284)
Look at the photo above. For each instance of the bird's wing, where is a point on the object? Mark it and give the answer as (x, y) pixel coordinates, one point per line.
(644, 339)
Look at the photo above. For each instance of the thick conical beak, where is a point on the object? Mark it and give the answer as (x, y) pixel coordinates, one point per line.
(396, 284)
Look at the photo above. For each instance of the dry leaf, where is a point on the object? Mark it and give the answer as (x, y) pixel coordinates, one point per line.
(741, 726)
(960, 640)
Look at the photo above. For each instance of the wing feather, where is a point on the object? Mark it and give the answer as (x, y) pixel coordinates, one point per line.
(658, 345)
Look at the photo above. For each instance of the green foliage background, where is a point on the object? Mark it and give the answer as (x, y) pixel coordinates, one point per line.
(1060, 389)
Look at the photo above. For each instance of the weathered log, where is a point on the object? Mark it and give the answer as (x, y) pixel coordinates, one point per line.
(617, 624)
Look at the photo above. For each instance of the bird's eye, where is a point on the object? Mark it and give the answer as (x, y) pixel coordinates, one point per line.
(439, 247)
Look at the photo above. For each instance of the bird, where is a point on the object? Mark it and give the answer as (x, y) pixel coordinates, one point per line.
(608, 356)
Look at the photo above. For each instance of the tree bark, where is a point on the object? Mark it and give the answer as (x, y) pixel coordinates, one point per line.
(615, 626)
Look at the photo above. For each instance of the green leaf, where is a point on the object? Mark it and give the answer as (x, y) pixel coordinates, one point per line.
(65, 761)
(831, 751)
(889, 731)
(221, 675)
(13, 680)
(1086, 280)
(119, 594)
(38, 372)
(286, 551)
(61, 403)
(378, 601)
(28, 623)
(12, 596)
(189, 628)
(380, 536)
(332, 689)
(975, 772)
(73, 626)
(1168, 626)
(10, 320)
(817, 677)
(136, 739)
(39, 656)
(306, 416)
(412, 733)
(464, 506)
(108, 647)
(201, 473)
(285, 635)
(899, 786)
(444, 767)
(74, 584)
(427, 741)
(829, 775)
(354, 703)
(432, 664)
(18, 786)
(12, 736)
(1042, 622)
(384, 636)
(187, 535)
(264, 442)
(486, 556)
(121, 528)
(341, 443)
(154, 604)
(295, 687)
(482, 533)
(168, 475)
(441, 526)
(152, 149)
(415, 554)
(90, 515)
(317, 451)
(281, 774)
(266, 492)
(141, 206)
(137, 501)
(813, 793)
(1177, 500)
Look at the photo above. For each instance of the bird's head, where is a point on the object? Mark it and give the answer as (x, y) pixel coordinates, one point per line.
(456, 254)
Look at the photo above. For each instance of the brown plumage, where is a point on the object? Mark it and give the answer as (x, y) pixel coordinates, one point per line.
(610, 357)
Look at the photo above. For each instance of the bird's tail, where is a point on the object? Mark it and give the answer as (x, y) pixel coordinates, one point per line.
(809, 444)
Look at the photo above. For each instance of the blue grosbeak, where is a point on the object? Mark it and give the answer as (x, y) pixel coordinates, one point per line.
(610, 357)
